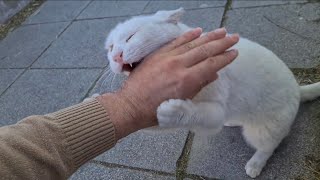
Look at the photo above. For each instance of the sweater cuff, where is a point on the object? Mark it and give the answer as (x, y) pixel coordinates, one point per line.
(88, 130)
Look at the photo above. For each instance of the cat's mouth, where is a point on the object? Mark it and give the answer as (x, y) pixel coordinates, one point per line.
(130, 67)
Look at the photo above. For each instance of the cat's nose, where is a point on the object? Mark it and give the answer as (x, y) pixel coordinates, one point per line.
(118, 58)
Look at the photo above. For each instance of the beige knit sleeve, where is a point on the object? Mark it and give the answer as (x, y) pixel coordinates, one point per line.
(55, 145)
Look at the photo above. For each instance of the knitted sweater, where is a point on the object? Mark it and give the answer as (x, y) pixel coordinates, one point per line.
(53, 146)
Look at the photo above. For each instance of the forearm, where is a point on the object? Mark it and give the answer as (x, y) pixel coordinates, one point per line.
(55, 145)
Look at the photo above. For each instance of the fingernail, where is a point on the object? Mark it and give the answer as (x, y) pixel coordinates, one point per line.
(220, 30)
(234, 52)
(197, 30)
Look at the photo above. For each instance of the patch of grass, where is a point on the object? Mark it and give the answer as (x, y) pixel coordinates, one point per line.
(182, 162)
(312, 164)
(19, 18)
(307, 75)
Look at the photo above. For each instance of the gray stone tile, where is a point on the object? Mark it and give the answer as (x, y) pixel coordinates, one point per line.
(53, 11)
(226, 156)
(24, 45)
(290, 31)
(208, 19)
(44, 91)
(154, 6)
(81, 45)
(157, 150)
(256, 3)
(92, 171)
(98, 9)
(7, 76)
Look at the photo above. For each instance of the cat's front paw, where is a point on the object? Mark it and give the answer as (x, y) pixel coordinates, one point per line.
(172, 113)
(253, 169)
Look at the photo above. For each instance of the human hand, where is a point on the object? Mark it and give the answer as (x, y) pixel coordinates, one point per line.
(176, 71)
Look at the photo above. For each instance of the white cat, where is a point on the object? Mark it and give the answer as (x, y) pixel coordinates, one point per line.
(257, 91)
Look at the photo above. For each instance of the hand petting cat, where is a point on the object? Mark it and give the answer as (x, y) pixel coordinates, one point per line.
(177, 70)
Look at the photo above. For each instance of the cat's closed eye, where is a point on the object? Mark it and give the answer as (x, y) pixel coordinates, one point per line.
(111, 47)
(130, 37)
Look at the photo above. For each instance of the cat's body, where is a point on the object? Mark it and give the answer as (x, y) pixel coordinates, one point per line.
(257, 91)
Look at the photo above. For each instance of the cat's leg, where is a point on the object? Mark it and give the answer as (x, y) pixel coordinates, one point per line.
(265, 139)
(185, 113)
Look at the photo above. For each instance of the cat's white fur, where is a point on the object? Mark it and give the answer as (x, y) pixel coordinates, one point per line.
(257, 91)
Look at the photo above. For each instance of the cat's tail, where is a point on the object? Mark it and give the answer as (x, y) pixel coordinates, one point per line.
(310, 92)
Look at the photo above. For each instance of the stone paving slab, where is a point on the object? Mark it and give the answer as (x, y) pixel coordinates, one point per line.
(226, 156)
(255, 3)
(92, 171)
(149, 150)
(53, 11)
(81, 45)
(208, 19)
(43, 91)
(283, 29)
(24, 45)
(154, 6)
(7, 77)
(98, 9)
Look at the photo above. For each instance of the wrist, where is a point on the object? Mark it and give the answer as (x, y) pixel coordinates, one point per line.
(125, 113)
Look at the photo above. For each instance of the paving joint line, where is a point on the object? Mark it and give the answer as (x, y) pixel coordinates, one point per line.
(272, 5)
(183, 160)
(50, 22)
(144, 8)
(25, 69)
(147, 13)
(227, 7)
(281, 27)
(113, 165)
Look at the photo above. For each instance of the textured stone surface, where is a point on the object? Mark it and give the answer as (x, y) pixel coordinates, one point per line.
(7, 77)
(283, 30)
(149, 150)
(92, 171)
(208, 18)
(226, 156)
(81, 45)
(44, 91)
(24, 45)
(53, 11)
(98, 9)
(154, 6)
(251, 3)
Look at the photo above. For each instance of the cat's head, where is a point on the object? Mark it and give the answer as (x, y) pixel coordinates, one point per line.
(129, 42)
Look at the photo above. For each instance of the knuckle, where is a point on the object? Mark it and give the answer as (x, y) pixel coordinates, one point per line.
(204, 49)
(189, 46)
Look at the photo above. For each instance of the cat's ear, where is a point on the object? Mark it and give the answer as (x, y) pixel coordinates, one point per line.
(173, 16)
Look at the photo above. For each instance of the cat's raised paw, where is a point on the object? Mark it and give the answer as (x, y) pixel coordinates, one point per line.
(171, 113)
